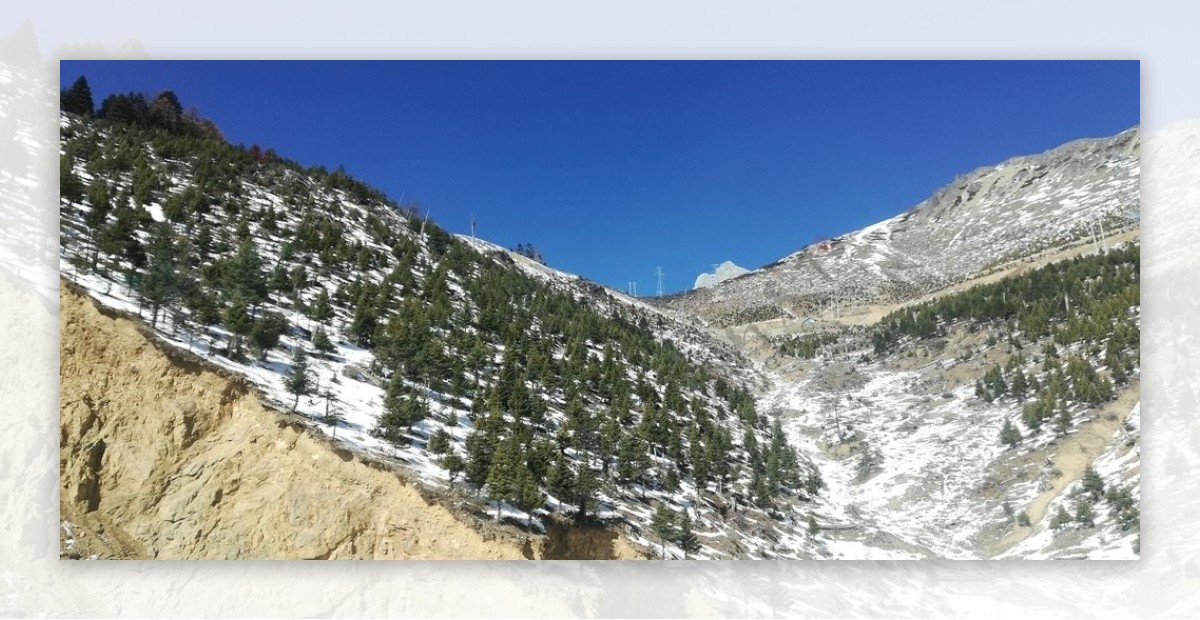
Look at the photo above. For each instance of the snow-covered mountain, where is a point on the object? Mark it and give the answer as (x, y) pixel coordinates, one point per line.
(725, 271)
(988, 216)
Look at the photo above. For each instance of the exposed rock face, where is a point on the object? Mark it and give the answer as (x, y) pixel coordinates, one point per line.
(162, 457)
(725, 271)
(993, 214)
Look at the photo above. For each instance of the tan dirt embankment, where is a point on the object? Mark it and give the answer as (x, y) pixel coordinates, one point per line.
(163, 456)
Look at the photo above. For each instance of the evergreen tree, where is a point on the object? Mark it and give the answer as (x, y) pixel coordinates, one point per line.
(1062, 422)
(560, 480)
(401, 409)
(454, 465)
(529, 496)
(321, 341)
(1084, 515)
(1093, 484)
(166, 112)
(244, 276)
(671, 481)
(479, 458)
(298, 383)
(1061, 519)
(70, 188)
(506, 475)
(160, 286)
(439, 443)
(78, 98)
(586, 486)
(321, 309)
(1009, 435)
(763, 495)
(266, 333)
(1019, 385)
(686, 538)
(664, 526)
(237, 319)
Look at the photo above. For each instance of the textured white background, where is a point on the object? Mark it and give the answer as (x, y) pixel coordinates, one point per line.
(1165, 582)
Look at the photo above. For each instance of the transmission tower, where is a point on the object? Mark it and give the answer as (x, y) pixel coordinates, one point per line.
(659, 272)
(472, 226)
(631, 288)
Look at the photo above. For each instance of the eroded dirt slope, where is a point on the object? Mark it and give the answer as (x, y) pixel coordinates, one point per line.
(162, 457)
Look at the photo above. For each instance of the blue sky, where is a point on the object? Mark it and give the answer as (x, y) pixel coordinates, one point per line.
(614, 168)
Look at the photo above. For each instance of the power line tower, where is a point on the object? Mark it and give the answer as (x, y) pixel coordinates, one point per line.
(473, 227)
(631, 288)
(659, 272)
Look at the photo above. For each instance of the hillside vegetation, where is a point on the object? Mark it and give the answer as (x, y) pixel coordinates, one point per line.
(538, 397)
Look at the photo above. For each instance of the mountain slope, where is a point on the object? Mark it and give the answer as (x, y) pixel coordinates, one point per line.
(958, 372)
(991, 215)
(537, 398)
(545, 404)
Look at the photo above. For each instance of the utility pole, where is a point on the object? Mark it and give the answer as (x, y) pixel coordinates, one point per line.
(472, 227)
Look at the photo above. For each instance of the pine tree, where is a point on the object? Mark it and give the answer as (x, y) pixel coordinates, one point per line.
(70, 188)
(586, 486)
(671, 481)
(763, 496)
(321, 310)
(237, 319)
(508, 476)
(529, 496)
(1062, 422)
(686, 538)
(1061, 519)
(244, 276)
(439, 443)
(1093, 484)
(401, 409)
(454, 465)
(160, 286)
(321, 341)
(813, 528)
(560, 481)
(664, 526)
(298, 382)
(479, 458)
(1019, 385)
(1084, 515)
(78, 98)
(1009, 435)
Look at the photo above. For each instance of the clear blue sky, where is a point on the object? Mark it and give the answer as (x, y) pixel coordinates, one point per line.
(614, 168)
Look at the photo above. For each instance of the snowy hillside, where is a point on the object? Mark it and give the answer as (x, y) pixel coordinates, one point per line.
(994, 214)
(906, 429)
(525, 392)
(962, 425)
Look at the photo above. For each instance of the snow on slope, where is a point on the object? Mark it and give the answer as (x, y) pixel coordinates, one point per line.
(942, 485)
(995, 213)
(349, 388)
